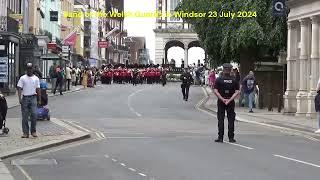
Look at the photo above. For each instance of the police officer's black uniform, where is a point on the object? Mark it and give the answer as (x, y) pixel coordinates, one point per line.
(187, 80)
(226, 86)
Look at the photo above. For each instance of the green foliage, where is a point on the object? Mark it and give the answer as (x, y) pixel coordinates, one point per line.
(225, 38)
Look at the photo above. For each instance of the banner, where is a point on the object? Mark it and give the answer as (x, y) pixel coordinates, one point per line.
(71, 40)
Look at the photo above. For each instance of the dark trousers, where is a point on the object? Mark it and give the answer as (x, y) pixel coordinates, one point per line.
(77, 81)
(185, 90)
(58, 83)
(29, 113)
(68, 84)
(231, 118)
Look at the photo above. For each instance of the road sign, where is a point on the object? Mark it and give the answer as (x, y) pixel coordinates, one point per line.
(279, 7)
(65, 49)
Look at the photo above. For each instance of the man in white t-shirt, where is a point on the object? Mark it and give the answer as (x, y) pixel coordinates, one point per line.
(28, 89)
(317, 101)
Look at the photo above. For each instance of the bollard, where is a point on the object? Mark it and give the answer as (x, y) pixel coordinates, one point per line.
(279, 103)
(270, 102)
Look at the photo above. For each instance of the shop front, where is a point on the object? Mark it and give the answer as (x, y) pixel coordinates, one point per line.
(48, 64)
(9, 61)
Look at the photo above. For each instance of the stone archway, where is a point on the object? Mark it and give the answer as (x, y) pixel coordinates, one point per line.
(170, 44)
(164, 36)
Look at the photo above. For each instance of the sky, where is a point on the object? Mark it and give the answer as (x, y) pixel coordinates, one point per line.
(143, 27)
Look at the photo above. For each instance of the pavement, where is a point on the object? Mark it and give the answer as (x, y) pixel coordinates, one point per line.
(147, 132)
(51, 133)
(266, 118)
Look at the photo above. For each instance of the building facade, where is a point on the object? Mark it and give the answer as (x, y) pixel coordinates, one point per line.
(172, 32)
(11, 16)
(53, 28)
(303, 64)
(115, 34)
(135, 44)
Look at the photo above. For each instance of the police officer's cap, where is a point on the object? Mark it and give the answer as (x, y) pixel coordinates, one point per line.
(227, 66)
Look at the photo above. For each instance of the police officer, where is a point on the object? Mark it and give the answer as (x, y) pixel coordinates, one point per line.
(187, 80)
(226, 89)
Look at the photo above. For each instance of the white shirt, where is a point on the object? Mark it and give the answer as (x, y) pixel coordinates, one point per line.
(68, 73)
(29, 84)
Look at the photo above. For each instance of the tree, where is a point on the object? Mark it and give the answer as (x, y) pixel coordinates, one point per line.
(243, 40)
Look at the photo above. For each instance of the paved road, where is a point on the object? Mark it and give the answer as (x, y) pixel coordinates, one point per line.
(151, 133)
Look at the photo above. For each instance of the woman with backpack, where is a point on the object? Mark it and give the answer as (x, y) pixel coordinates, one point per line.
(317, 105)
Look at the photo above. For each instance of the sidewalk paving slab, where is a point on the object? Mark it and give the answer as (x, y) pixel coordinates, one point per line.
(265, 117)
(50, 133)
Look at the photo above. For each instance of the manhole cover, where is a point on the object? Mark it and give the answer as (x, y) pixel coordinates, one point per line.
(25, 162)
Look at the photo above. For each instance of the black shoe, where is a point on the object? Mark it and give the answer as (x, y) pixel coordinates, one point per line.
(186, 99)
(219, 140)
(250, 111)
(232, 140)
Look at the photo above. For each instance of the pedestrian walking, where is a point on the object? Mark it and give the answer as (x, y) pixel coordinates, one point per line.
(85, 76)
(226, 89)
(53, 75)
(59, 81)
(28, 89)
(78, 76)
(317, 105)
(248, 85)
(187, 80)
(73, 76)
(206, 77)
(68, 77)
(212, 79)
(37, 72)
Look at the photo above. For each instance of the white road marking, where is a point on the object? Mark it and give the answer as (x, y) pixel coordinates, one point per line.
(239, 145)
(131, 169)
(110, 137)
(24, 172)
(142, 174)
(82, 128)
(106, 156)
(114, 160)
(60, 148)
(129, 102)
(122, 164)
(296, 160)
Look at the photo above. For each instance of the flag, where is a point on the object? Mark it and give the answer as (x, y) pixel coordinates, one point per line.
(71, 40)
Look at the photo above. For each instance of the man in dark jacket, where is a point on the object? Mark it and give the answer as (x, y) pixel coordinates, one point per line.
(186, 79)
(59, 81)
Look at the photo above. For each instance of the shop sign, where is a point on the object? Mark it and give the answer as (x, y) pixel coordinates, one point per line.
(54, 16)
(3, 69)
(103, 44)
(52, 46)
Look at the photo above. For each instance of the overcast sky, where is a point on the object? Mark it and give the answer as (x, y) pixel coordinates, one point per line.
(144, 27)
